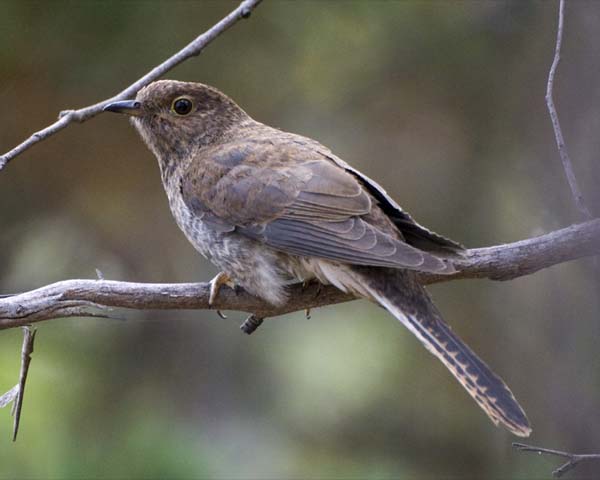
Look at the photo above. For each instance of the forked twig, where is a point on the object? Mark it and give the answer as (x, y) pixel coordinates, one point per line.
(573, 459)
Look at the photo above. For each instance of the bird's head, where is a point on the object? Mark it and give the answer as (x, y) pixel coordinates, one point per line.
(176, 118)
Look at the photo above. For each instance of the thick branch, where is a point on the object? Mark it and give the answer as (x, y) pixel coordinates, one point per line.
(81, 115)
(73, 298)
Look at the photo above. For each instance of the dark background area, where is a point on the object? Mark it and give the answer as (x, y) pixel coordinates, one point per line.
(442, 102)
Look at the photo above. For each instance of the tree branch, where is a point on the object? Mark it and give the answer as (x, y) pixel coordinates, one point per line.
(560, 141)
(77, 298)
(16, 394)
(573, 459)
(81, 115)
(26, 351)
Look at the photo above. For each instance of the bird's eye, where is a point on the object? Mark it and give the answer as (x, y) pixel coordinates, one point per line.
(182, 106)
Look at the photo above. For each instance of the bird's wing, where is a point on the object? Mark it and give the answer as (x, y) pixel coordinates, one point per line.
(297, 201)
(415, 234)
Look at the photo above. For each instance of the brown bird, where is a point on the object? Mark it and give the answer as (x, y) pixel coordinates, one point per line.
(269, 208)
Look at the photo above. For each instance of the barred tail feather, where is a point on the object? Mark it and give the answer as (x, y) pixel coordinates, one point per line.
(401, 295)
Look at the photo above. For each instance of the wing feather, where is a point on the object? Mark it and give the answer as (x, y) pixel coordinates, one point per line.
(353, 241)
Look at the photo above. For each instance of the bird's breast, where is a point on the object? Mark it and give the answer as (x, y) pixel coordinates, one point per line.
(196, 231)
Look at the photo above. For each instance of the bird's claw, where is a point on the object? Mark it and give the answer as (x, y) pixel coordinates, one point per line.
(305, 285)
(215, 285)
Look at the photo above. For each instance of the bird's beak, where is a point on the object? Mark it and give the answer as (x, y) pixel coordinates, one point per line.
(129, 107)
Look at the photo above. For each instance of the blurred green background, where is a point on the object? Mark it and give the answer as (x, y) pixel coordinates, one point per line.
(441, 101)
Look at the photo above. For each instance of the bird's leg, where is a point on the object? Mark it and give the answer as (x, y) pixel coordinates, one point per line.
(305, 285)
(215, 285)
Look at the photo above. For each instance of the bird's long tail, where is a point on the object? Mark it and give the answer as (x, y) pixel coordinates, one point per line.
(400, 293)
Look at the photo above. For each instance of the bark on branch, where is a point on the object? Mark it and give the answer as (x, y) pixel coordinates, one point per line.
(77, 298)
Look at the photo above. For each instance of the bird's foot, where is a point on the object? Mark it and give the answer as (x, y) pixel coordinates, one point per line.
(215, 285)
(305, 285)
(251, 324)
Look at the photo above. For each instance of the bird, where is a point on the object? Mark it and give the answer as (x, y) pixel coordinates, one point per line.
(270, 208)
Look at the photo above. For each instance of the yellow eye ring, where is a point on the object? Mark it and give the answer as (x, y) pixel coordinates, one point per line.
(182, 106)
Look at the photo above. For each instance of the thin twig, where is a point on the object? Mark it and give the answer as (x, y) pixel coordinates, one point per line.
(560, 141)
(26, 351)
(9, 396)
(573, 459)
(72, 298)
(83, 114)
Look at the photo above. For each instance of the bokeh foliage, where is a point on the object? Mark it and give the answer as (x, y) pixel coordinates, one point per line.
(443, 102)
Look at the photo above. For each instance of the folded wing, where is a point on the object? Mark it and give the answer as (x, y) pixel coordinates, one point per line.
(309, 207)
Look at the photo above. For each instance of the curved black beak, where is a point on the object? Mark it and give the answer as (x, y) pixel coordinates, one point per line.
(129, 107)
